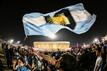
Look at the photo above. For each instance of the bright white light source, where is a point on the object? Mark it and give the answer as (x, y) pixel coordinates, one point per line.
(18, 42)
(96, 40)
(105, 38)
(84, 45)
(11, 41)
(52, 36)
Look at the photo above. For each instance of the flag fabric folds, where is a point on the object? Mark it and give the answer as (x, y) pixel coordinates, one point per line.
(38, 24)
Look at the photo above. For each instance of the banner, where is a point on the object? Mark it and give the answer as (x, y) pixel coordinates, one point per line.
(74, 18)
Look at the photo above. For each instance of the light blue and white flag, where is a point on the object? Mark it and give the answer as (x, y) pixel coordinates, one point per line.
(36, 23)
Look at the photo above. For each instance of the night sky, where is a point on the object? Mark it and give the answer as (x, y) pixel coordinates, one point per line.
(12, 11)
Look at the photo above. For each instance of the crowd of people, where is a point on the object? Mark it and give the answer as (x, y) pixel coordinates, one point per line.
(91, 58)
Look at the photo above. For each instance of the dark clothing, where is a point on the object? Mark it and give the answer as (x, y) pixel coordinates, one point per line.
(68, 62)
(30, 59)
(104, 48)
(9, 55)
(1, 66)
(105, 67)
(86, 58)
(57, 55)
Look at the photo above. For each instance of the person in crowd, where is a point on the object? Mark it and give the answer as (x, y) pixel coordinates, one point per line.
(98, 63)
(30, 59)
(56, 54)
(26, 56)
(3, 45)
(85, 58)
(41, 64)
(16, 54)
(8, 55)
(10, 49)
(1, 65)
(104, 54)
(105, 66)
(67, 62)
(19, 65)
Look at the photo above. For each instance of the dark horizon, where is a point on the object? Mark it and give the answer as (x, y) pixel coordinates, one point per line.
(12, 12)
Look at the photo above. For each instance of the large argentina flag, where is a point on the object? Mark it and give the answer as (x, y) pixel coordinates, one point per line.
(74, 18)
